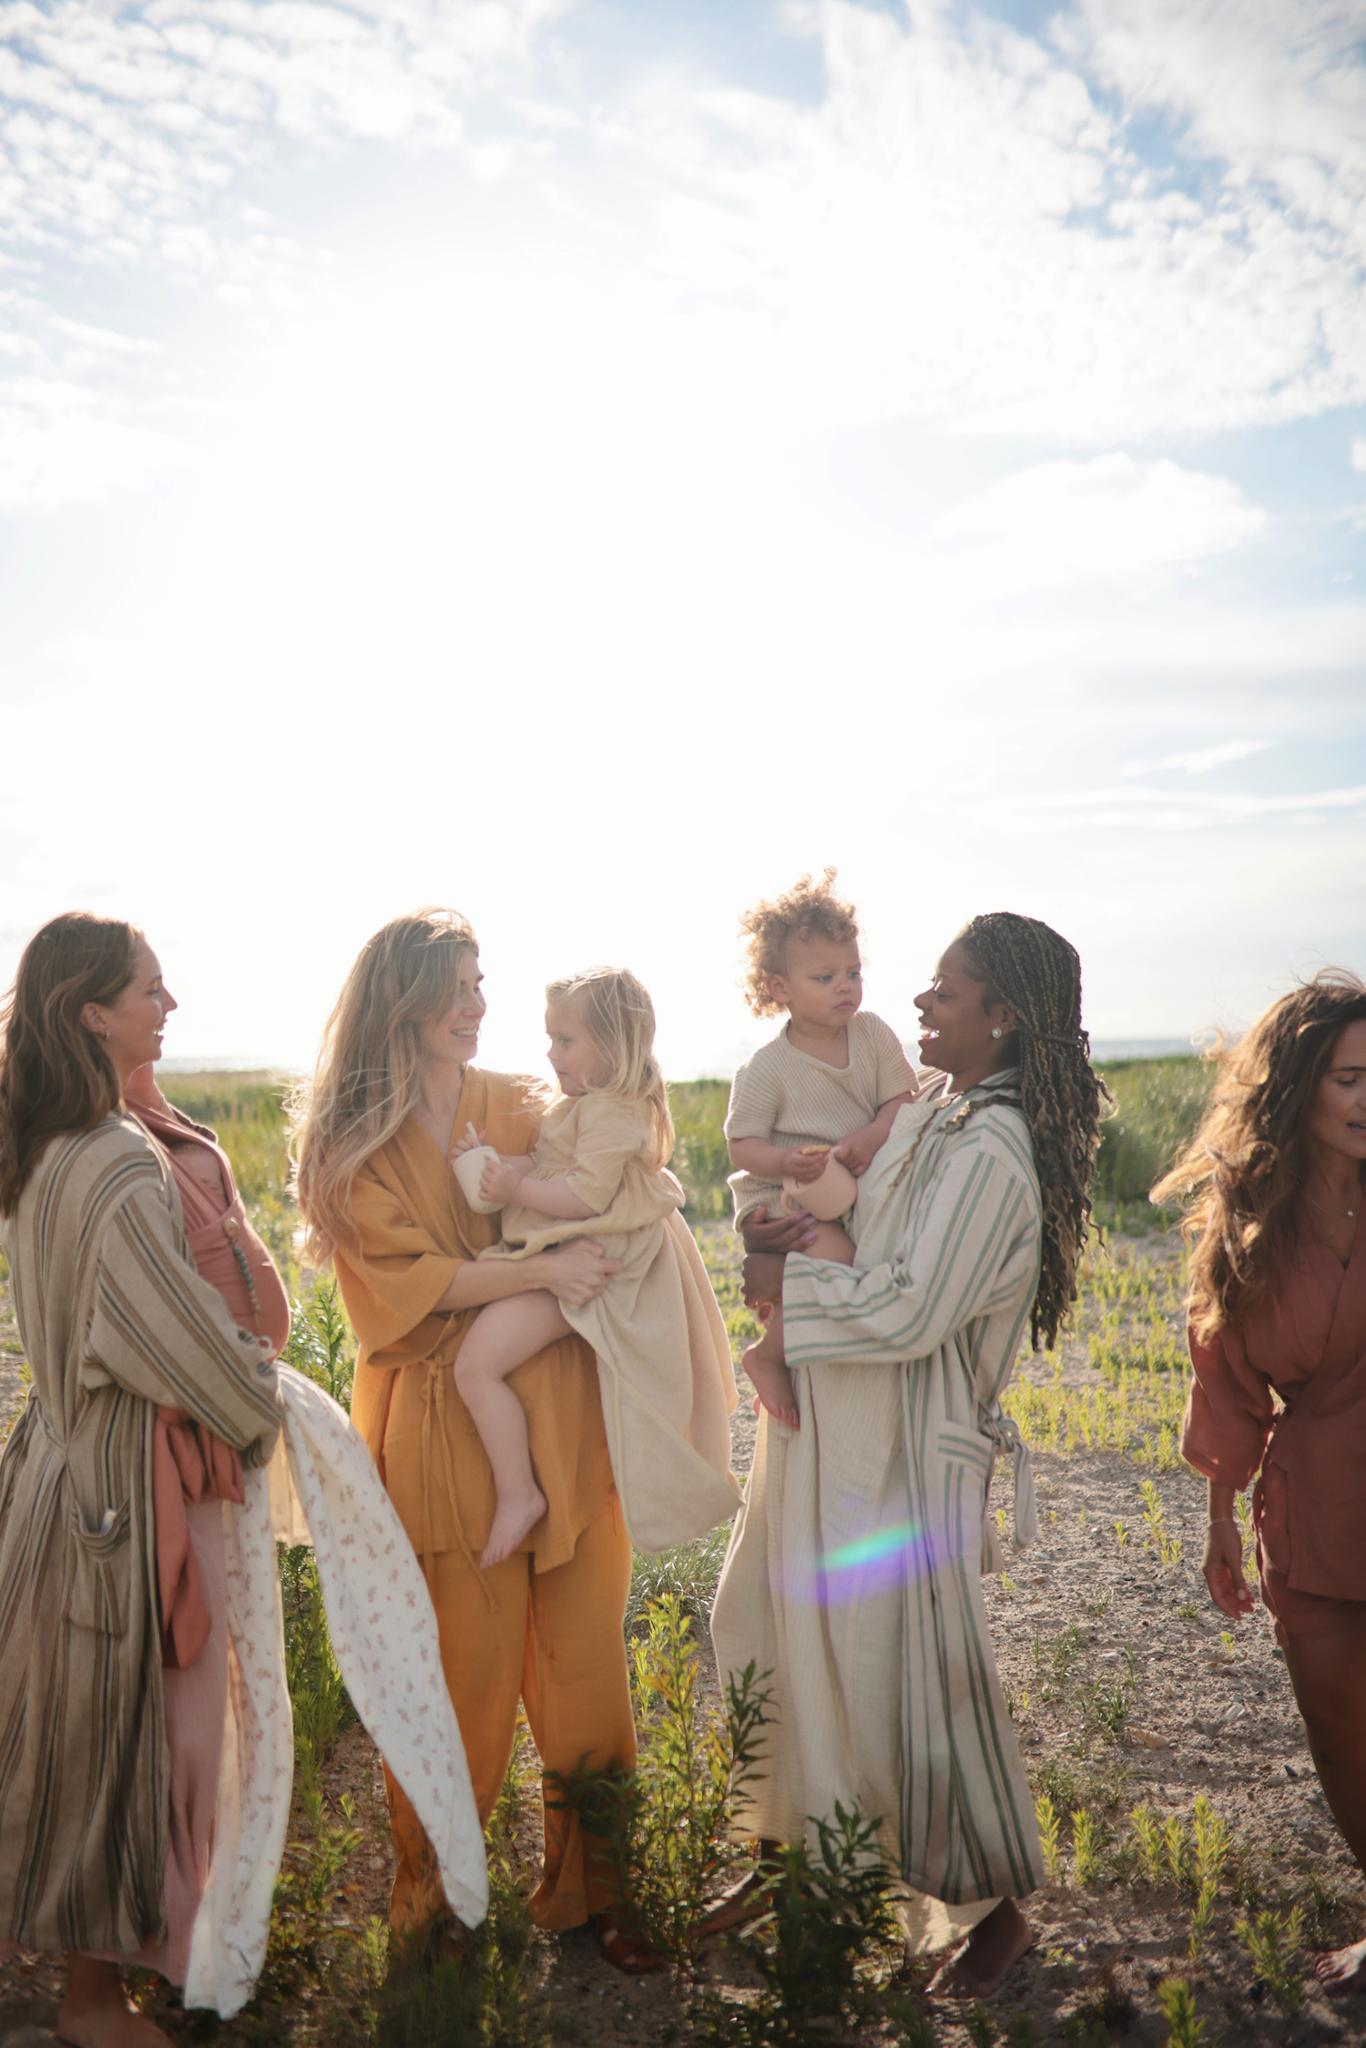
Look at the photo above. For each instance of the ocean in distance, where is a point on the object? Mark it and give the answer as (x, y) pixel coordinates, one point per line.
(1102, 1049)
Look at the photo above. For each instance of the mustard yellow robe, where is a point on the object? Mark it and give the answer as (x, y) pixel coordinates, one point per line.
(547, 1623)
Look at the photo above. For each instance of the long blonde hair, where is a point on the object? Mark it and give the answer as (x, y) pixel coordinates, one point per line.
(368, 1075)
(54, 1074)
(1242, 1175)
(620, 1020)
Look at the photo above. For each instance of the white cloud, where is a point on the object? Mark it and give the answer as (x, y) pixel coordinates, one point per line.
(1359, 455)
(1112, 518)
(1200, 760)
(964, 230)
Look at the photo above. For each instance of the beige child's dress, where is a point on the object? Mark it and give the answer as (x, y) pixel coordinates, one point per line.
(788, 1097)
(664, 1365)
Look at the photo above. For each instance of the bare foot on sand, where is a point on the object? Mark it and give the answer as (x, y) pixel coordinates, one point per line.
(987, 1956)
(741, 1906)
(1342, 1969)
(773, 1385)
(95, 2012)
(512, 1519)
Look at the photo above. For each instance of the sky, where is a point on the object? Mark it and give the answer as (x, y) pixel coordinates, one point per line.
(590, 462)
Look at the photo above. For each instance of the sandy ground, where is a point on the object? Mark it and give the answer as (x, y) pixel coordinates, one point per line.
(1125, 1688)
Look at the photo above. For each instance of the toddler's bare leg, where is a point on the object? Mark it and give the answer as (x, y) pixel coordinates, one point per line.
(503, 1336)
(832, 1243)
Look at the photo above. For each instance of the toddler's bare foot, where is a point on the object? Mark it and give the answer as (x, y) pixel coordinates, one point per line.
(511, 1522)
(1342, 1969)
(773, 1384)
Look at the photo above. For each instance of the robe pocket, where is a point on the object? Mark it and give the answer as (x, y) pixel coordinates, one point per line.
(96, 1591)
(966, 1460)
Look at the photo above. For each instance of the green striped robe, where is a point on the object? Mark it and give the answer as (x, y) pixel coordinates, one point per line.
(854, 1575)
(115, 1321)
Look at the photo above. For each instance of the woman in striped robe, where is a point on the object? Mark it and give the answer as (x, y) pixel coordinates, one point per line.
(854, 1576)
(116, 1324)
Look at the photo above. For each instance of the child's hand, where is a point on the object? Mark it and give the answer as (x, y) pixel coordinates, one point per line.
(803, 1166)
(499, 1183)
(471, 1141)
(858, 1151)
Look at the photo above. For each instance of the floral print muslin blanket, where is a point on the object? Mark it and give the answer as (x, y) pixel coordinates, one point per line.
(383, 1632)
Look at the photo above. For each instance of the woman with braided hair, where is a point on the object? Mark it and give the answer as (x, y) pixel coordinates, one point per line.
(854, 1576)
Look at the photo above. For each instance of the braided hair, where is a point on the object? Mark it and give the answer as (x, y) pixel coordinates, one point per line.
(1034, 971)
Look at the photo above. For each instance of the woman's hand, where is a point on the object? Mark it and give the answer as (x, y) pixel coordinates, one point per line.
(1223, 1569)
(784, 1233)
(763, 1281)
(577, 1272)
(499, 1182)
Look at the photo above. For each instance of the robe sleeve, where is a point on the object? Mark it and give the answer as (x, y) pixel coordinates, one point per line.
(164, 1334)
(951, 1269)
(895, 1074)
(397, 1270)
(1229, 1412)
(611, 1134)
(753, 1110)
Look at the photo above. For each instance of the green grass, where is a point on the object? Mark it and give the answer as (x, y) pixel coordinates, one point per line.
(1157, 1106)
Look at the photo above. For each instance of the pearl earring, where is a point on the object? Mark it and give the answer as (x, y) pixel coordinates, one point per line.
(996, 1031)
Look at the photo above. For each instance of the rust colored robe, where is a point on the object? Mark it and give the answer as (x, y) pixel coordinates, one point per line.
(1308, 1347)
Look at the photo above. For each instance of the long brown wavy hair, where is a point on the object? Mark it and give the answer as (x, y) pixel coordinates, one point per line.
(54, 1074)
(1030, 967)
(368, 1075)
(1243, 1173)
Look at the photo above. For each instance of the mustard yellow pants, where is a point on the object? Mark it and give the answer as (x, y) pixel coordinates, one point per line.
(554, 1641)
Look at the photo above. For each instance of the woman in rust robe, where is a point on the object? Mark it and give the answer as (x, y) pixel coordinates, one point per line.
(394, 1091)
(1278, 1345)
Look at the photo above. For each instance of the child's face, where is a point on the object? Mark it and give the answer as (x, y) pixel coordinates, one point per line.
(578, 1063)
(822, 982)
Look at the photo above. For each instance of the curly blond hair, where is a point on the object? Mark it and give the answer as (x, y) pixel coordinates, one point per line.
(810, 910)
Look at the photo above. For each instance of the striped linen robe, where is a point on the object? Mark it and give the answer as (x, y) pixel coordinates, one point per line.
(854, 1576)
(115, 1321)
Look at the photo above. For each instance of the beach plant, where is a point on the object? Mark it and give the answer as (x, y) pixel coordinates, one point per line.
(817, 1951)
(689, 1571)
(664, 1826)
(1210, 1844)
(321, 1345)
(1146, 1838)
(1085, 1846)
(1177, 2003)
(318, 1696)
(1272, 1941)
(1050, 1837)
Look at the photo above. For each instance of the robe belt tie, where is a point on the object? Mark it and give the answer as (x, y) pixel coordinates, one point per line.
(1004, 1432)
(435, 1422)
(47, 1425)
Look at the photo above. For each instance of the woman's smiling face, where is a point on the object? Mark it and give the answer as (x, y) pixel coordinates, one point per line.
(1337, 1115)
(131, 1026)
(956, 1027)
(452, 1037)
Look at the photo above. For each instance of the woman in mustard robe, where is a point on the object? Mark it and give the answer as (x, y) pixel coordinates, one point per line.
(393, 1092)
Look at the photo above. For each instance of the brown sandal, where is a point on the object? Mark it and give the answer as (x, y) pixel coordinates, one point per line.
(623, 1948)
(741, 1906)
